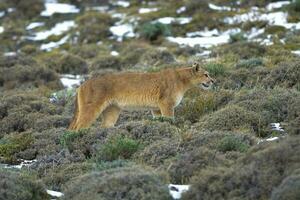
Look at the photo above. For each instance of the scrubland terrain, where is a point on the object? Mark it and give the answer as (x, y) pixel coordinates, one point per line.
(239, 140)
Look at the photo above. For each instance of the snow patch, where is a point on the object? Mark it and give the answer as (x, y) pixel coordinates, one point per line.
(54, 193)
(58, 29)
(114, 53)
(124, 4)
(169, 20)
(1, 29)
(70, 81)
(99, 8)
(219, 8)
(297, 52)
(147, 10)
(177, 190)
(276, 127)
(121, 31)
(205, 33)
(63, 8)
(275, 5)
(51, 45)
(181, 10)
(2, 13)
(24, 163)
(34, 25)
(207, 42)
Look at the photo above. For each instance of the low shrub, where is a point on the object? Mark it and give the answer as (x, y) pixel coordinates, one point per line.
(230, 143)
(15, 185)
(288, 189)
(118, 147)
(157, 57)
(157, 153)
(190, 163)
(69, 136)
(152, 31)
(230, 118)
(119, 183)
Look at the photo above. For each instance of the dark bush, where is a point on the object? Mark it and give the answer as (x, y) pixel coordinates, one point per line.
(27, 9)
(215, 69)
(16, 186)
(157, 153)
(152, 31)
(157, 57)
(120, 183)
(106, 62)
(255, 176)
(288, 189)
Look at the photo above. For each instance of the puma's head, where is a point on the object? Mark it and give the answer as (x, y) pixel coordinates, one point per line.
(201, 77)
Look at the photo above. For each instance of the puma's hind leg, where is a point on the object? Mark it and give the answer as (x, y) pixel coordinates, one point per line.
(110, 116)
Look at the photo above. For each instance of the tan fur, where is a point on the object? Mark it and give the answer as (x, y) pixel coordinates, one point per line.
(109, 94)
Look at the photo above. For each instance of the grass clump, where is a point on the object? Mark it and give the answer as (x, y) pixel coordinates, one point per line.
(237, 37)
(250, 63)
(215, 69)
(152, 31)
(69, 136)
(118, 147)
(230, 143)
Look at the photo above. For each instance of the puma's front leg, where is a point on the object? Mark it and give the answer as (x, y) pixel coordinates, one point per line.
(167, 109)
(156, 113)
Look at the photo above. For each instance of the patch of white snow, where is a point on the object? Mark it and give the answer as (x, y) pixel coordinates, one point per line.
(54, 193)
(181, 10)
(63, 8)
(219, 8)
(275, 5)
(51, 45)
(169, 20)
(34, 25)
(177, 190)
(69, 80)
(147, 10)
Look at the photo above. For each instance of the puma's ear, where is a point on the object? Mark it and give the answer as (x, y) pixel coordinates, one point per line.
(196, 66)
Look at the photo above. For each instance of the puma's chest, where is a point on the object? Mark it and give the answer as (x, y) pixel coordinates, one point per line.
(178, 99)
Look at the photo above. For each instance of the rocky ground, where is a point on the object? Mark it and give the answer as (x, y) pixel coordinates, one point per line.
(239, 140)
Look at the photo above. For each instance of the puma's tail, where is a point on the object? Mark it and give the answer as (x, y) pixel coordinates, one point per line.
(72, 125)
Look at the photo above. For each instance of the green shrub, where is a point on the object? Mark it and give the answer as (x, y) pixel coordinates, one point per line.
(13, 144)
(93, 27)
(120, 183)
(215, 69)
(152, 31)
(118, 147)
(250, 63)
(69, 136)
(15, 186)
(237, 37)
(106, 165)
(230, 143)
